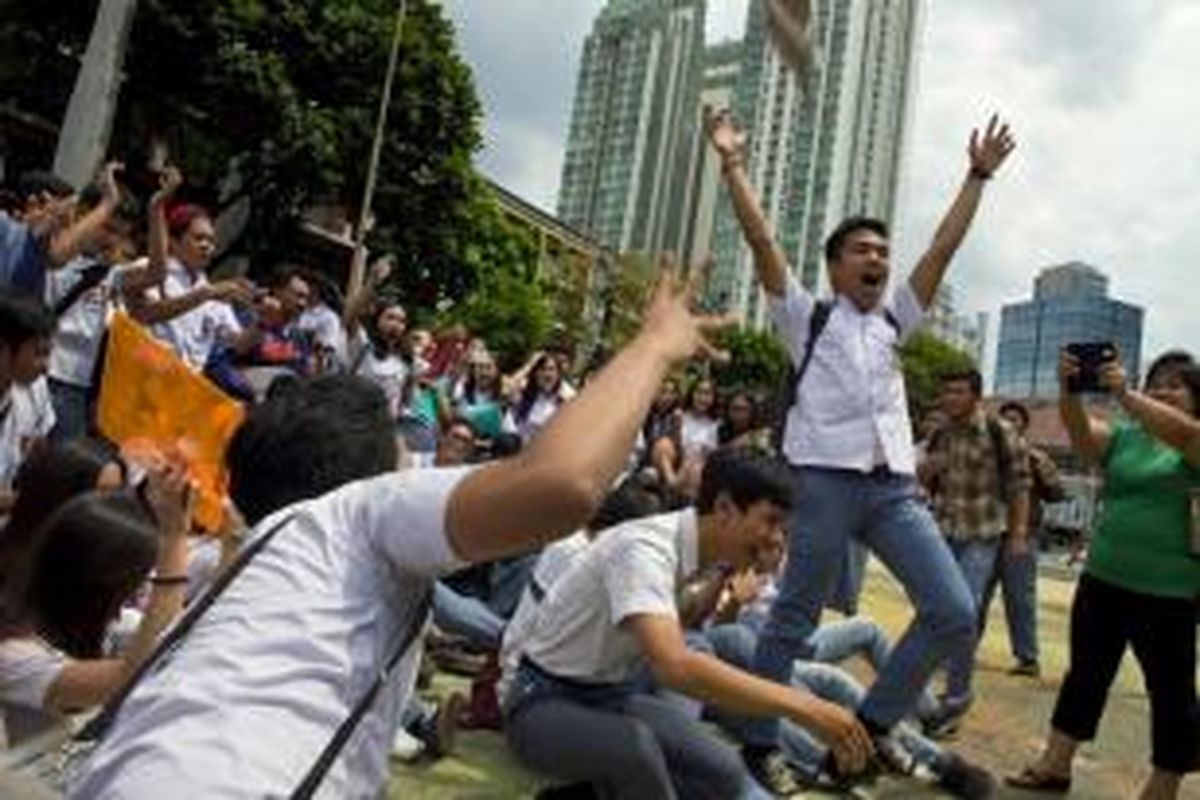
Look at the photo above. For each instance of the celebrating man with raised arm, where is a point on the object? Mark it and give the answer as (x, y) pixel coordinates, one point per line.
(849, 440)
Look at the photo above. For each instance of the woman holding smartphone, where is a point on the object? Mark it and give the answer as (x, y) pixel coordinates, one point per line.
(1142, 578)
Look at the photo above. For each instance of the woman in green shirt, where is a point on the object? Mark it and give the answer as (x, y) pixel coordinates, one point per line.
(1140, 585)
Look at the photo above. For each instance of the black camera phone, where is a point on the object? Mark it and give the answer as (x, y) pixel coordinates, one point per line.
(1091, 356)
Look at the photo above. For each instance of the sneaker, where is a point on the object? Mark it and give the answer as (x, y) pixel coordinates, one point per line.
(438, 731)
(1026, 669)
(963, 779)
(944, 722)
(770, 768)
(893, 757)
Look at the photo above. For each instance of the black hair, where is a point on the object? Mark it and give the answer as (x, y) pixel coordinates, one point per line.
(506, 445)
(309, 438)
(629, 500)
(84, 562)
(471, 387)
(848, 226)
(36, 182)
(1168, 361)
(1182, 365)
(970, 376)
(50, 476)
(714, 409)
(747, 476)
(1012, 406)
(531, 390)
(726, 432)
(23, 320)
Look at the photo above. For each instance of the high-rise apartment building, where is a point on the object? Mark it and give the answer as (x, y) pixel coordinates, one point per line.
(824, 147)
(633, 125)
(1070, 304)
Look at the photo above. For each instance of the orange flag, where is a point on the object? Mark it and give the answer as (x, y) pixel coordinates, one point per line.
(150, 398)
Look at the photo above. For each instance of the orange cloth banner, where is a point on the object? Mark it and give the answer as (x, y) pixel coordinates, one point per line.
(151, 399)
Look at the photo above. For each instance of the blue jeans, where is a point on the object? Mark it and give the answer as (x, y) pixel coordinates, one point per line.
(1017, 576)
(466, 616)
(977, 560)
(884, 511)
(735, 644)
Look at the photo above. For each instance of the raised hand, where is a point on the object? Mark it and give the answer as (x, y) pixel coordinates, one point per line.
(1112, 376)
(169, 181)
(381, 270)
(109, 185)
(727, 138)
(669, 322)
(989, 150)
(171, 496)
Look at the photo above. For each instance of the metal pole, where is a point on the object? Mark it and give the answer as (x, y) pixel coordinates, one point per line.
(357, 265)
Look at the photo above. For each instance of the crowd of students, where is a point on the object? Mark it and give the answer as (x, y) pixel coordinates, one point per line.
(629, 558)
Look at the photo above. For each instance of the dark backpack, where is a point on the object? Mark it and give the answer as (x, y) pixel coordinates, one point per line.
(789, 391)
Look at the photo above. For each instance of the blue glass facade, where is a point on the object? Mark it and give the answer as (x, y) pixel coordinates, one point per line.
(1033, 333)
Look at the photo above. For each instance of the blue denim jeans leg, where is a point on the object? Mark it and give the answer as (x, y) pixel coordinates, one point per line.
(977, 561)
(884, 511)
(466, 616)
(1017, 577)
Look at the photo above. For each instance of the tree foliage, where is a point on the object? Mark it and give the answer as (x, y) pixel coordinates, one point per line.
(274, 101)
(758, 361)
(925, 359)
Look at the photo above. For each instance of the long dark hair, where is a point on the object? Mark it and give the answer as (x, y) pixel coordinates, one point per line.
(50, 476)
(83, 563)
(727, 432)
(531, 390)
(472, 388)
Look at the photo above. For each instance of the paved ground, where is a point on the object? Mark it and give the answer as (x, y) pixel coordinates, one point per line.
(1005, 728)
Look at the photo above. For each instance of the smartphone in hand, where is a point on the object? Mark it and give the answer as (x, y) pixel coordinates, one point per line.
(1091, 356)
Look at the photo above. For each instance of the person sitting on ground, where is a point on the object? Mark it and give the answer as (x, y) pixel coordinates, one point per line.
(26, 411)
(543, 395)
(741, 424)
(693, 436)
(575, 710)
(67, 587)
(322, 322)
(251, 695)
(1142, 577)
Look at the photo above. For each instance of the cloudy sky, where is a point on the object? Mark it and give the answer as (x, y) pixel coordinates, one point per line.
(1100, 92)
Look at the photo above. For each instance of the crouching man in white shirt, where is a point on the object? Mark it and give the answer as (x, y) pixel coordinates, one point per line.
(575, 710)
(247, 701)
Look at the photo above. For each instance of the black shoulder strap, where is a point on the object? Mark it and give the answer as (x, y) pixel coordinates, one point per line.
(100, 723)
(89, 278)
(312, 781)
(821, 312)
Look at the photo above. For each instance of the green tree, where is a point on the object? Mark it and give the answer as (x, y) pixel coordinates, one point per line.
(624, 295)
(758, 361)
(273, 102)
(925, 358)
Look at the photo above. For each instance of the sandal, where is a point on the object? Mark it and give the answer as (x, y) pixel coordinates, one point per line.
(1032, 780)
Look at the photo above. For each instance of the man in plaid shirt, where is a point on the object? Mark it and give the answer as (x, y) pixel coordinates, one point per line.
(977, 475)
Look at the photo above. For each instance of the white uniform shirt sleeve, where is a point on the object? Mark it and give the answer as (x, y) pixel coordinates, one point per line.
(640, 579)
(28, 669)
(790, 314)
(404, 516)
(906, 308)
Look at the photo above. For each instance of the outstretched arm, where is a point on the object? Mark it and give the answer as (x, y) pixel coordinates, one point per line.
(554, 486)
(70, 241)
(1090, 435)
(730, 143)
(987, 153)
(1164, 422)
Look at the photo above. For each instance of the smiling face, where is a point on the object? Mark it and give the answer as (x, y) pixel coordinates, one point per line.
(861, 267)
(1168, 386)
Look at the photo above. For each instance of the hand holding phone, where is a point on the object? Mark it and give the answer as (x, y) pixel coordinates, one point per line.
(1084, 364)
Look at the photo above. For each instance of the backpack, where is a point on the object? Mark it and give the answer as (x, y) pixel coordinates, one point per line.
(790, 389)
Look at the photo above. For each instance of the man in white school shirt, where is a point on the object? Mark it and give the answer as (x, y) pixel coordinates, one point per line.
(849, 440)
(246, 702)
(576, 708)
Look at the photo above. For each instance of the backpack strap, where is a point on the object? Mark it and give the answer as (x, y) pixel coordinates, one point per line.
(316, 774)
(89, 278)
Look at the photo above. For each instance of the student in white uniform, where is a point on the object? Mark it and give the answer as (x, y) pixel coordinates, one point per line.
(26, 413)
(849, 440)
(543, 395)
(250, 697)
(575, 709)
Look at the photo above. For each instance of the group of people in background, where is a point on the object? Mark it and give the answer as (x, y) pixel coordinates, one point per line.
(616, 557)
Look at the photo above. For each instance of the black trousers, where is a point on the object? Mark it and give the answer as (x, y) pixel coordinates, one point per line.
(1162, 630)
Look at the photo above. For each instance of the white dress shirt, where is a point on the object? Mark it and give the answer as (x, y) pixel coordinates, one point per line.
(251, 696)
(26, 414)
(850, 411)
(634, 568)
(194, 335)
